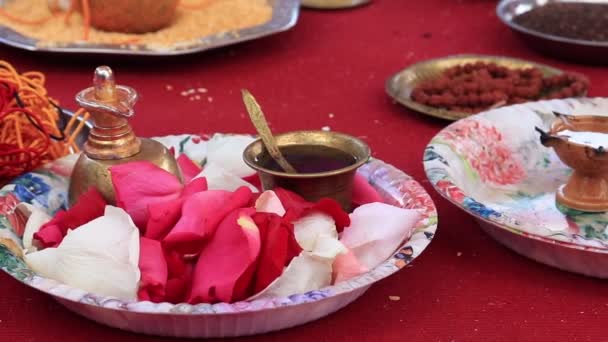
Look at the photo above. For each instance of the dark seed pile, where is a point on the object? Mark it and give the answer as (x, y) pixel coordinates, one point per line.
(577, 20)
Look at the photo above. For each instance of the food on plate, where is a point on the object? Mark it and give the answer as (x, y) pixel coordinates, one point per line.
(577, 20)
(32, 131)
(192, 244)
(157, 24)
(473, 87)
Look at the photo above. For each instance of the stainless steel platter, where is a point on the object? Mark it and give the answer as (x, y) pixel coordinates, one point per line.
(284, 16)
(585, 51)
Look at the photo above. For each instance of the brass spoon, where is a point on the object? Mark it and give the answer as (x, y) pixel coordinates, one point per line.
(261, 125)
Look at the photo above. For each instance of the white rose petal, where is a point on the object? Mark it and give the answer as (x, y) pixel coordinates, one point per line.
(269, 202)
(227, 151)
(100, 257)
(377, 230)
(220, 179)
(36, 218)
(304, 273)
(308, 228)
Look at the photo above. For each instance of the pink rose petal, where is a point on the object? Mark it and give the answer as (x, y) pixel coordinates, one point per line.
(201, 214)
(163, 216)
(153, 267)
(274, 236)
(363, 192)
(347, 266)
(194, 186)
(141, 183)
(225, 267)
(189, 168)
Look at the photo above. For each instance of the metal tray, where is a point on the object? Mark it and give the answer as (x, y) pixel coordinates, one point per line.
(401, 85)
(284, 16)
(577, 50)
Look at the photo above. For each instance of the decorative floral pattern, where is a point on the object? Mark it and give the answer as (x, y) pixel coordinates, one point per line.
(48, 188)
(481, 154)
(481, 144)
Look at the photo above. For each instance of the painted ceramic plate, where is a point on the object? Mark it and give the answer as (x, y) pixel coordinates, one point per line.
(284, 16)
(47, 188)
(493, 166)
(401, 85)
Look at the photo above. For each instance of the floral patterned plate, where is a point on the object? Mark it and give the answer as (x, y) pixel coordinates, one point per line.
(47, 187)
(493, 166)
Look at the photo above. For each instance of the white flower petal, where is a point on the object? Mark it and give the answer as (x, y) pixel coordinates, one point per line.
(304, 273)
(43, 263)
(36, 219)
(220, 179)
(269, 202)
(100, 257)
(377, 230)
(308, 228)
(227, 151)
(328, 247)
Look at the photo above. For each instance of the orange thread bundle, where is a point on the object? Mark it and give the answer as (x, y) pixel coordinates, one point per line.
(29, 131)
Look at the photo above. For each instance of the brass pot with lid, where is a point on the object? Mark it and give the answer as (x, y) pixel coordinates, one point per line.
(112, 140)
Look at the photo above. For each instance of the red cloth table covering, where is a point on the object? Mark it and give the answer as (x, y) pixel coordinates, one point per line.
(464, 287)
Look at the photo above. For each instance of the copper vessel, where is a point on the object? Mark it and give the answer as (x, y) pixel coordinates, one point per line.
(111, 140)
(587, 187)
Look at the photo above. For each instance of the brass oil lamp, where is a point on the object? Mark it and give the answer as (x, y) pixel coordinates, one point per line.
(112, 140)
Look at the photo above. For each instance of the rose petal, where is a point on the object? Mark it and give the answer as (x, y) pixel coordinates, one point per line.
(100, 257)
(220, 276)
(274, 236)
(306, 272)
(254, 179)
(201, 215)
(269, 202)
(36, 218)
(347, 266)
(220, 179)
(163, 217)
(194, 186)
(141, 183)
(363, 192)
(297, 207)
(90, 205)
(227, 152)
(189, 168)
(153, 268)
(310, 227)
(377, 230)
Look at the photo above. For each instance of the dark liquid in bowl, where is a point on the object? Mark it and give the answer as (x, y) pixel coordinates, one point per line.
(310, 159)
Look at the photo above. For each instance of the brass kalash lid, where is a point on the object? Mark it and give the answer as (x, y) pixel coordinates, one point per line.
(112, 140)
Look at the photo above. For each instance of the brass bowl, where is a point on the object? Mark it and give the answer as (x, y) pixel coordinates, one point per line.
(336, 184)
(401, 85)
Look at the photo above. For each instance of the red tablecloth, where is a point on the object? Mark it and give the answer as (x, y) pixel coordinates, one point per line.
(464, 287)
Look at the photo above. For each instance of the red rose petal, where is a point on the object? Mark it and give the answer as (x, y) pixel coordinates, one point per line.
(194, 186)
(189, 168)
(180, 276)
(201, 215)
(153, 267)
(363, 192)
(139, 184)
(163, 216)
(297, 207)
(274, 249)
(224, 269)
(254, 179)
(89, 206)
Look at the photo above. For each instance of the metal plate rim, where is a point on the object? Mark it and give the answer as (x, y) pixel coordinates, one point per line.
(285, 16)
